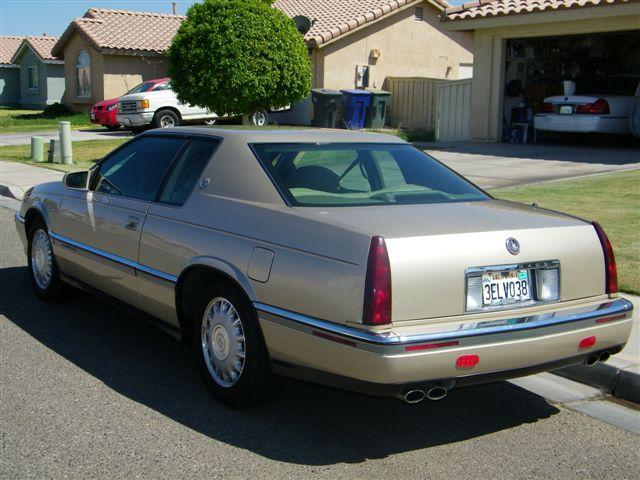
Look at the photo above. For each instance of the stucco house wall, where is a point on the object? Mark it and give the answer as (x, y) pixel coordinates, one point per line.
(111, 75)
(408, 47)
(122, 73)
(490, 43)
(9, 86)
(72, 49)
(50, 88)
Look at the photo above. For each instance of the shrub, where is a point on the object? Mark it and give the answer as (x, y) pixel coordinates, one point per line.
(238, 56)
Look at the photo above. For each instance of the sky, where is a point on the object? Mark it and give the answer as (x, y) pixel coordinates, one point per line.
(35, 17)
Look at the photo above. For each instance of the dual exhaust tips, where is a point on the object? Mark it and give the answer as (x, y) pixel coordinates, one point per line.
(416, 394)
(594, 358)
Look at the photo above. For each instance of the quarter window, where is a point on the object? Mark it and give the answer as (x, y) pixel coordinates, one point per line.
(137, 169)
(187, 171)
(32, 80)
(83, 74)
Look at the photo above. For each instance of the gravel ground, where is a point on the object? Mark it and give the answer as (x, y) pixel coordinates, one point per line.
(90, 392)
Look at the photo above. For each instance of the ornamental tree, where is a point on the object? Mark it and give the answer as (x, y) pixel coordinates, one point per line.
(238, 56)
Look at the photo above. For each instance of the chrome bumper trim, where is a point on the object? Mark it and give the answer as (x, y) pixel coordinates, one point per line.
(581, 317)
(114, 258)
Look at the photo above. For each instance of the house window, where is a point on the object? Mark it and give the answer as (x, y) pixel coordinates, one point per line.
(83, 74)
(32, 77)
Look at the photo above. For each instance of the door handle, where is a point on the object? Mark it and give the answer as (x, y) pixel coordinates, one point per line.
(132, 223)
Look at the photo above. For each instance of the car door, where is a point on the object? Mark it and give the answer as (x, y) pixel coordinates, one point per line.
(169, 232)
(99, 231)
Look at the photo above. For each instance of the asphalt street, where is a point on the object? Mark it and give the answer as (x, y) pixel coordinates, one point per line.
(89, 392)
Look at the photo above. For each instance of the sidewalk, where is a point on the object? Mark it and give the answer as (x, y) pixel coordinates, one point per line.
(620, 376)
(16, 178)
(87, 133)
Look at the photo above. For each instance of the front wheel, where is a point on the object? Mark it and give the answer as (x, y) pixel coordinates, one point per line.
(231, 352)
(259, 118)
(43, 270)
(166, 119)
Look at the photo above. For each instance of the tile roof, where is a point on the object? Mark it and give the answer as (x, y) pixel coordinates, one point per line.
(123, 31)
(41, 45)
(8, 47)
(332, 18)
(499, 8)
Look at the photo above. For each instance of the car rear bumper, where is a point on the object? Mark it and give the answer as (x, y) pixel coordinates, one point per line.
(135, 119)
(581, 123)
(389, 359)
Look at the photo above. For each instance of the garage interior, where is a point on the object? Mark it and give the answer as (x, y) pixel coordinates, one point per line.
(536, 68)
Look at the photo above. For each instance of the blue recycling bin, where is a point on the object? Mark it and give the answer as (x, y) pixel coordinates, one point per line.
(355, 107)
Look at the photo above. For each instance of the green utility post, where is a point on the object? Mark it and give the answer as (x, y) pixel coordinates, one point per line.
(37, 149)
(64, 128)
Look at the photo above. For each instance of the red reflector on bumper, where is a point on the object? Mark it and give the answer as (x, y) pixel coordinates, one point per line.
(427, 346)
(587, 342)
(611, 318)
(467, 361)
(333, 338)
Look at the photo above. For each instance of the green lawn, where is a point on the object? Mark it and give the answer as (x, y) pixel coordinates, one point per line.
(19, 121)
(613, 200)
(85, 154)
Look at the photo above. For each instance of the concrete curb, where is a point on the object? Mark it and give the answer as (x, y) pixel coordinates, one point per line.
(620, 383)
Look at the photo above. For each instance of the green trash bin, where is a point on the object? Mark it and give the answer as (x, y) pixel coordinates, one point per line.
(325, 107)
(377, 111)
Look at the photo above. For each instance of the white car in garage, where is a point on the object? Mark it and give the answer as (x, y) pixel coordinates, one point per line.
(605, 109)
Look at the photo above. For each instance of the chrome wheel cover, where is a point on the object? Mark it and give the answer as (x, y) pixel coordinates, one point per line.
(223, 342)
(167, 121)
(41, 259)
(260, 118)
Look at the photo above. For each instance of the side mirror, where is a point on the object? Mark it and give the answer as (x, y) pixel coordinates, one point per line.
(76, 180)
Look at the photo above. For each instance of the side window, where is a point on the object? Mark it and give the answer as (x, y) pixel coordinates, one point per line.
(160, 86)
(187, 171)
(136, 170)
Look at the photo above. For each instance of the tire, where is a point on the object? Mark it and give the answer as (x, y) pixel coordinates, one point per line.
(218, 345)
(112, 128)
(166, 119)
(43, 270)
(259, 118)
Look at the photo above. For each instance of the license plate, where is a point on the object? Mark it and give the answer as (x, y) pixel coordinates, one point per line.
(93, 116)
(565, 110)
(504, 287)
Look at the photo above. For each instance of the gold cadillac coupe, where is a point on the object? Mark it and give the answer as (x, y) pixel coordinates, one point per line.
(349, 259)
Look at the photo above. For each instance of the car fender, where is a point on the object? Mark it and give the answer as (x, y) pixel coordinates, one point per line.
(224, 267)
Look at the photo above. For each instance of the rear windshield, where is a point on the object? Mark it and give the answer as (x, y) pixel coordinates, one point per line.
(350, 174)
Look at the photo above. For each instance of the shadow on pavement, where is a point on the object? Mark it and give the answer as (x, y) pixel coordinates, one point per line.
(594, 149)
(307, 424)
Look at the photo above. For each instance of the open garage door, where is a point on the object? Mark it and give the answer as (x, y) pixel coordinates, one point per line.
(577, 83)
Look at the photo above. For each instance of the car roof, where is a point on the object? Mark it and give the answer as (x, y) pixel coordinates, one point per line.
(266, 135)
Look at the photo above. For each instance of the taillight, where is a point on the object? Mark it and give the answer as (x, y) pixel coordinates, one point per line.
(599, 107)
(611, 273)
(377, 286)
(547, 108)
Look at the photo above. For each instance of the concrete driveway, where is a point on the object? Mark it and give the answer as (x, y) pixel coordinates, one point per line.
(76, 135)
(491, 165)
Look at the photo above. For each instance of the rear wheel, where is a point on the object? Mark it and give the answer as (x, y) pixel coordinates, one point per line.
(43, 271)
(231, 352)
(166, 119)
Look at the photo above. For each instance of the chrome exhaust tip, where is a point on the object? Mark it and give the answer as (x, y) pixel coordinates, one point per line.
(436, 393)
(413, 396)
(604, 356)
(591, 360)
